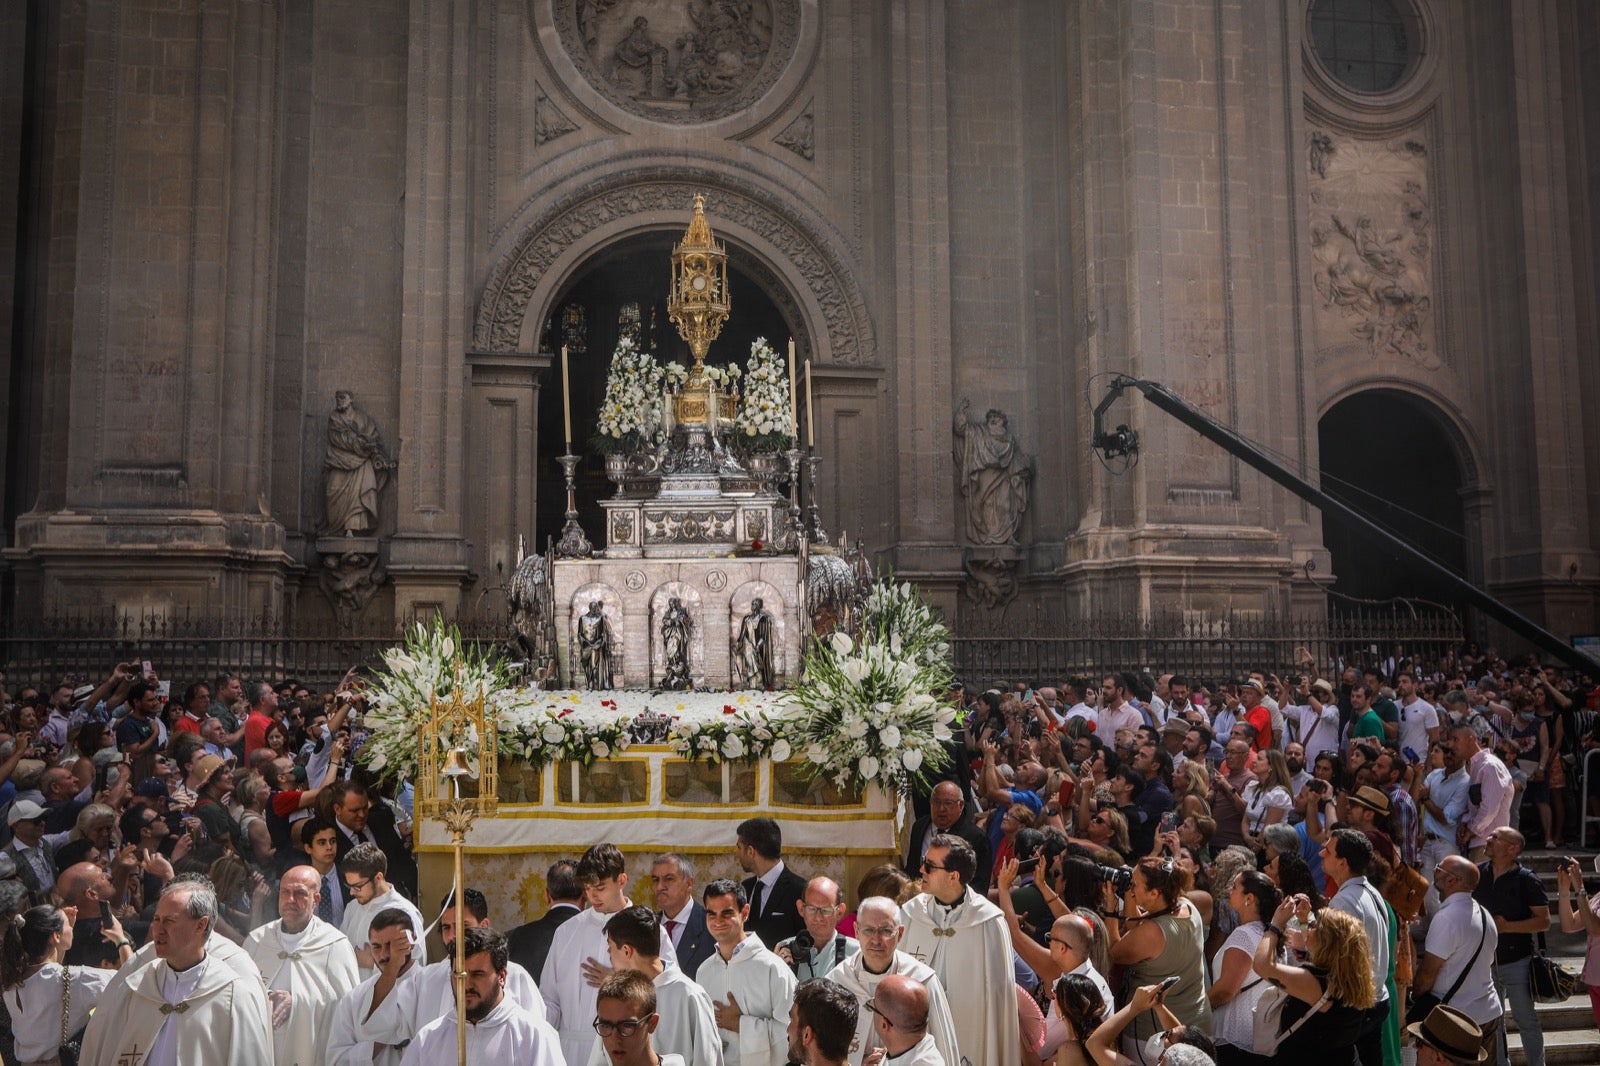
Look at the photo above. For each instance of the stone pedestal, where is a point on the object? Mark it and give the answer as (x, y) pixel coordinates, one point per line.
(716, 592)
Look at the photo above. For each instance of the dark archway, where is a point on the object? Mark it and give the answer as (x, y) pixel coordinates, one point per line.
(1393, 457)
(634, 270)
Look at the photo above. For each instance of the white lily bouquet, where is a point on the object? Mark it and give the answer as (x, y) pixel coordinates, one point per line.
(871, 712)
(764, 411)
(433, 664)
(630, 414)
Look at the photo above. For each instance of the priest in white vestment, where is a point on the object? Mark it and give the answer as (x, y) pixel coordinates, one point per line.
(751, 989)
(431, 994)
(308, 966)
(499, 1033)
(900, 1016)
(183, 1006)
(879, 930)
(577, 962)
(365, 871)
(964, 938)
(685, 1022)
(389, 945)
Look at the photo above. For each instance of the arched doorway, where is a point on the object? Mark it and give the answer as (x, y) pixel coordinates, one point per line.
(1394, 458)
(589, 314)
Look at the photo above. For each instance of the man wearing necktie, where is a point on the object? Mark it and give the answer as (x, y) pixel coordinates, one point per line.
(684, 919)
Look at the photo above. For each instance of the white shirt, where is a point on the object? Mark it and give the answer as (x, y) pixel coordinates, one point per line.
(35, 1007)
(1453, 936)
(1315, 732)
(1056, 1032)
(675, 923)
(1416, 718)
(1081, 710)
(1234, 1021)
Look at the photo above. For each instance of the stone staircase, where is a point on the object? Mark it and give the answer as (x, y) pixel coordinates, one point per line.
(1569, 1029)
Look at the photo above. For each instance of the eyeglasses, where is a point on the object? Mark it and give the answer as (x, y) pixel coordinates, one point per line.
(873, 1007)
(1058, 940)
(625, 1028)
(357, 886)
(928, 867)
(819, 912)
(867, 932)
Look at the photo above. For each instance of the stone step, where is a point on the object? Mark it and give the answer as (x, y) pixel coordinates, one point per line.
(1573, 1046)
(1570, 1013)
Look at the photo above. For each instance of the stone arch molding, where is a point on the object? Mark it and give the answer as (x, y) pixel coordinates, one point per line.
(1433, 406)
(800, 249)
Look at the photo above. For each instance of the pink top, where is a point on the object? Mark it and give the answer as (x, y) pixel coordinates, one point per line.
(1591, 957)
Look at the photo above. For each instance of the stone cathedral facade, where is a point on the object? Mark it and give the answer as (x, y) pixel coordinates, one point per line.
(1335, 225)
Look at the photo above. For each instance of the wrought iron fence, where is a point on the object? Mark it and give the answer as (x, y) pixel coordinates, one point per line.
(1211, 648)
(185, 648)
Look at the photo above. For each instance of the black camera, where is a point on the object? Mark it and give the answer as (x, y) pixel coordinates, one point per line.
(800, 948)
(1120, 877)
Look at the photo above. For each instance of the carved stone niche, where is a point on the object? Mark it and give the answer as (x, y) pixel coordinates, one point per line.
(351, 573)
(679, 61)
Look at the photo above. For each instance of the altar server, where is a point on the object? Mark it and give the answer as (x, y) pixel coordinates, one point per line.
(879, 929)
(686, 1024)
(365, 869)
(577, 961)
(963, 937)
(498, 1030)
(181, 1007)
(430, 994)
(308, 966)
(751, 989)
(390, 945)
(626, 1019)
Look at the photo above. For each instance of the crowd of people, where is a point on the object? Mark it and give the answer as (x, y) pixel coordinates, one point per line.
(1146, 870)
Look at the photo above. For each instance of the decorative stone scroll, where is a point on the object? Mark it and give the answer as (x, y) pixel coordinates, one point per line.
(1371, 245)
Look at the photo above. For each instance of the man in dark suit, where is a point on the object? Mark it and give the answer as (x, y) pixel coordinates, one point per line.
(530, 943)
(359, 819)
(948, 807)
(682, 917)
(774, 890)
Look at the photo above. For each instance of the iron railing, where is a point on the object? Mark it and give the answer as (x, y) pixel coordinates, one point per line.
(1210, 649)
(186, 648)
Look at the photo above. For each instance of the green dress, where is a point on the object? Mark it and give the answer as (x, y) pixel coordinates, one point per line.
(1391, 1025)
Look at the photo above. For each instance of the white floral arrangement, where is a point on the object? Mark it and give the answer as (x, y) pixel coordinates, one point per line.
(733, 736)
(870, 712)
(765, 410)
(724, 377)
(675, 373)
(564, 734)
(630, 414)
(432, 664)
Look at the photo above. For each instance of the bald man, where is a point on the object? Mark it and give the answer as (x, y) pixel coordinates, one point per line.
(1457, 966)
(308, 965)
(879, 929)
(947, 813)
(900, 1016)
(820, 947)
(1071, 946)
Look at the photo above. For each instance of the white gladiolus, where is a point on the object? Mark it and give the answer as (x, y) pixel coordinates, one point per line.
(855, 670)
(855, 728)
(911, 759)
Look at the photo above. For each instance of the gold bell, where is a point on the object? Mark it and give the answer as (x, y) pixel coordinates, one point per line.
(455, 764)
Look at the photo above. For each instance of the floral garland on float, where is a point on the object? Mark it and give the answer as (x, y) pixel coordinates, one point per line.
(865, 712)
(764, 415)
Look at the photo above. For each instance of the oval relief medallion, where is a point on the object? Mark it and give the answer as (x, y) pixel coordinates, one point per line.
(679, 61)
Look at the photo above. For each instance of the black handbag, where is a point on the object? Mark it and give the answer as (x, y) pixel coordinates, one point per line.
(1548, 980)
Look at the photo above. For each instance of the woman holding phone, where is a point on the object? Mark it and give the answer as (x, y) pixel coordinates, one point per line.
(46, 999)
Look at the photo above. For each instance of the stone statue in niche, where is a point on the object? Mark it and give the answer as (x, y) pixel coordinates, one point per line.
(355, 470)
(675, 631)
(752, 649)
(995, 475)
(595, 643)
(531, 607)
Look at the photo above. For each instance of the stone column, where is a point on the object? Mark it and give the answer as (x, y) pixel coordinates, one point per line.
(428, 552)
(1185, 252)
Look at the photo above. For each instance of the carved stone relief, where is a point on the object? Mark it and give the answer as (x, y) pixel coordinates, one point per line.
(675, 527)
(1371, 245)
(349, 579)
(679, 61)
(831, 285)
(549, 121)
(799, 136)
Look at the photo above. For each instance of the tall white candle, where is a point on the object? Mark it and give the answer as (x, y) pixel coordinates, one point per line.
(566, 400)
(793, 400)
(811, 420)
